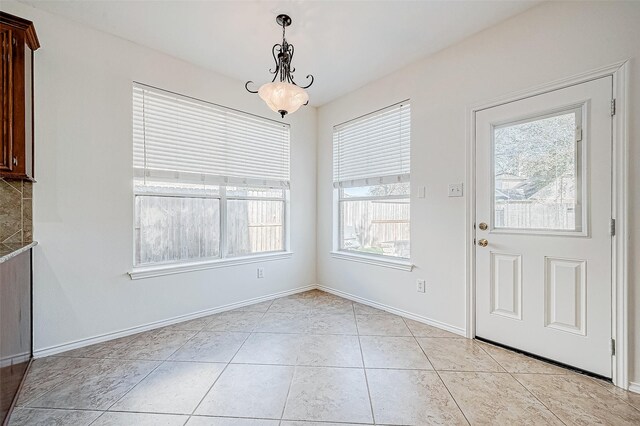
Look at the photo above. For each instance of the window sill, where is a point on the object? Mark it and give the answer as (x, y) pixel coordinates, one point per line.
(403, 265)
(157, 271)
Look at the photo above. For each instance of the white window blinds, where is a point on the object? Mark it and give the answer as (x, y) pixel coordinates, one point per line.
(373, 149)
(177, 138)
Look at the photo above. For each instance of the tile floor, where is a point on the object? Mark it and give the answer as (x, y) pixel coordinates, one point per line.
(309, 359)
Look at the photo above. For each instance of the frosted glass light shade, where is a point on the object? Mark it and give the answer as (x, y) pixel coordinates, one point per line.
(284, 98)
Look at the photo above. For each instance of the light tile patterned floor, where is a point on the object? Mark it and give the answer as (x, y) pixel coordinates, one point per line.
(309, 359)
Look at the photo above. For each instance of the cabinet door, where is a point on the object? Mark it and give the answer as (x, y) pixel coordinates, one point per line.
(6, 92)
(15, 326)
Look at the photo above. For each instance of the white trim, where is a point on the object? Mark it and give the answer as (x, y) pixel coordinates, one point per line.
(402, 265)
(56, 349)
(550, 87)
(443, 326)
(157, 271)
(156, 175)
(620, 208)
(15, 359)
(620, 212)
(372, 181)
(634, 387)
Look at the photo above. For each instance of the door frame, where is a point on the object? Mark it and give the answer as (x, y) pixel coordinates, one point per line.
(619, 209)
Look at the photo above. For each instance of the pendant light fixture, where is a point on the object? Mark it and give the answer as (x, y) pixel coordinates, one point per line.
(284, 96)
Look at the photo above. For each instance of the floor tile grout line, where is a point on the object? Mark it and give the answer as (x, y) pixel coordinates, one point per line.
(611, 391)
(61, 355)
(535, 397)
(341, 366)
(212, 385)
(40, 395)
(316, 365)
(439, 376)
(518, 381)
(166, 413)
(419, 345)
(154, 369)
(250, 333)
(134, 386)
(486, 352)
(73, 376)
(364, 367)
(286, 399)
(453, 397)
(61, 409)
(225, 368)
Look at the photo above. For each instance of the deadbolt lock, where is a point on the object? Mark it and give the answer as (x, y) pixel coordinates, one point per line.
(483, 226)
(483, 242)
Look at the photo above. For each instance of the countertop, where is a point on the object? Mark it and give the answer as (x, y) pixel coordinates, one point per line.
(7, 251)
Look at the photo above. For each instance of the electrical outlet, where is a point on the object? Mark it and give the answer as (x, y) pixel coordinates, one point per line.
(421, 286)
(260, 272)
(455, 190)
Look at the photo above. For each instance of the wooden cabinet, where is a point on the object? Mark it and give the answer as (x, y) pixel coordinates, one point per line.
(18, 41)
(15, 327)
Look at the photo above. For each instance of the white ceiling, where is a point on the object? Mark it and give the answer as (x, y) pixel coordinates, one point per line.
(344, 44)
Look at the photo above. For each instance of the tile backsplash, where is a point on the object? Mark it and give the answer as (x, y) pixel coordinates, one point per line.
(16, 220)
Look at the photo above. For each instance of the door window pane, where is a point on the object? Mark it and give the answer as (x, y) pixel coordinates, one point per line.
(537, 173)
(254, 226)
(171, 228)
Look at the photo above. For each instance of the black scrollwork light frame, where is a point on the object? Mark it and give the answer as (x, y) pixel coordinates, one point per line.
(282, 55)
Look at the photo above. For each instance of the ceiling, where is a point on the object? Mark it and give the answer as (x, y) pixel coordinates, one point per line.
(344, 44)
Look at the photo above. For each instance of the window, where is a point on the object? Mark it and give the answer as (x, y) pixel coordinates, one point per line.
(538, 177)
(210, 182)
(371, 171)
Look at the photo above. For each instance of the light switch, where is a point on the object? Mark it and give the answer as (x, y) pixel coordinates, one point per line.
(422, 192)
(455, 190)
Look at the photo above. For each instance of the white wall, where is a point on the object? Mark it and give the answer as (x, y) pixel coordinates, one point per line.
(546, 43)
(83, 211)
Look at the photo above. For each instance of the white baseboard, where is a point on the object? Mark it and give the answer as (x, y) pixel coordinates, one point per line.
(15, 359)
(634, 387)
(56, 349)
(456, 330)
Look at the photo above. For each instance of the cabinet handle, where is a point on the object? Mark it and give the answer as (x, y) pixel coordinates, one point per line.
(15, 161)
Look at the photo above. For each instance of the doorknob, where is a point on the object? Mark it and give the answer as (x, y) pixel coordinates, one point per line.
(483, 243)
(483, 226)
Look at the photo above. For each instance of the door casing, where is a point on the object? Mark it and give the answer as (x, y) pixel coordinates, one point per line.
(619, 207)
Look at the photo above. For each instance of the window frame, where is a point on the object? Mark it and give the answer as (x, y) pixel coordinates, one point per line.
(341, 182)
(339, 240)
(174, 194)
(223, 257)
(220, 182)
(149, 270)
(581, 172)
(223, 216)
(385, 261)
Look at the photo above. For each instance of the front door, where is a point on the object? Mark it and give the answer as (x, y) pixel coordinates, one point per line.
(543, 225)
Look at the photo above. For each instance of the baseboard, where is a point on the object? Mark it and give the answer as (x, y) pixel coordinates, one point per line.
(390, 309)
(56, 349)
(634, 387)
(15, 359)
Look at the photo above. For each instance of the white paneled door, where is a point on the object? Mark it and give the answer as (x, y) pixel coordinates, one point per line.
(543, 225)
